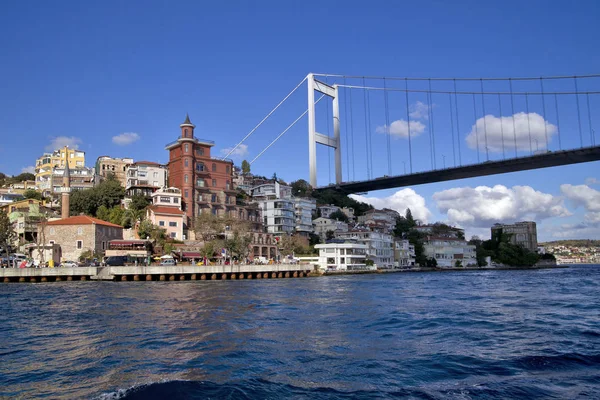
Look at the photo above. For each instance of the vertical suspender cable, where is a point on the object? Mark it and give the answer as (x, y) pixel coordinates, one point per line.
(367, 128)
(352, 135)
(452, 127)
(432, 124)
(346, 130)
(487, 154)
(387, 124)
(592, 138)
(457, 124)
(476, 128)
(369, 132)
(544, 111)
(431, 154)
(501, 125)
(557, 120)
(512, 106)
(578, 112)
(528, 123)
(408, 126)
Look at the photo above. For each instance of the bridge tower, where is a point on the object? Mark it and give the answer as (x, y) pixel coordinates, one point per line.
(314, 137)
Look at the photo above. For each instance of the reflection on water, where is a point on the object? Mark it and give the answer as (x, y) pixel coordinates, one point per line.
(506, 333)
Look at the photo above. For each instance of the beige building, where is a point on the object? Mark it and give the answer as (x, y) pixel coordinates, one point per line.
(522, 234)
(166, 212)
(106, 166)
(80, 233)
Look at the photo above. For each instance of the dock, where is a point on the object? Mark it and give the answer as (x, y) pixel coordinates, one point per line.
(155, 273)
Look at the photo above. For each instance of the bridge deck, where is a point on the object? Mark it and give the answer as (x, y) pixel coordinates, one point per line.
(545, 160)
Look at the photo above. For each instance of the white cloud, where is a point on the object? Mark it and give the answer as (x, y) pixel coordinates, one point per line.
(399, 128)
(483, 206)
(585, 196)
(125, 138)
(419, 110)
(400, 201)
(241, 151)
(30, 169)
(61, 141)
(498, 128)
(592, 181)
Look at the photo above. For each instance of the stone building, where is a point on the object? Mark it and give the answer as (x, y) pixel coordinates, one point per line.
(80, 233)
(106, 165)
(522, 234)
(206, 182)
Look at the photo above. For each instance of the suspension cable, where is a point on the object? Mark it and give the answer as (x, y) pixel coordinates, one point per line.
(528, 123)
(452, 128)
(512, 106)
(432, 125)
(578, 112)
(366, 130)
(285, 130)
(544, 111)
(592, 136)
(501, 126)
(487, 154)
(408, 128)
(557, 121)
(478, 93)
(387, 122)
(462, 79)
(457, 125)
(476, 128)
(265, 118)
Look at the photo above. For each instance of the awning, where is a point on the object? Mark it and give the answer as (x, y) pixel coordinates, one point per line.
(189, 254)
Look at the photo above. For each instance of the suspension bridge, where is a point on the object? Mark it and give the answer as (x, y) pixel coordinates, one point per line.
(425, 130)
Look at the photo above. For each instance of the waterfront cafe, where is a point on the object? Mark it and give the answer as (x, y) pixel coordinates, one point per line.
(137, 251)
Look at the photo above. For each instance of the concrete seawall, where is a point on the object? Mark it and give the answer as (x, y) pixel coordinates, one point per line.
(155, 273)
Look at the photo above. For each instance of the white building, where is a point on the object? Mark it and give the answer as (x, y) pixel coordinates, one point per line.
(381, 220)
(323, 225)
(278, 216)
(404, 254)
(380, 246)
(448, 251)
(304, 209)
(347, 256)
(326, 210)
(166, 212)
(145, 177)
(7, 196)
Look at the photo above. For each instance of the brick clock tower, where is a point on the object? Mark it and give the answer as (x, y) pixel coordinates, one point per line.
(206, 183)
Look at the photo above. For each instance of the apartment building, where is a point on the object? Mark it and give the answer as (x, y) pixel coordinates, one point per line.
(145, 178)
(449, 251)
(166, 212)
(48, 162)
(380, 245)
(106, 165)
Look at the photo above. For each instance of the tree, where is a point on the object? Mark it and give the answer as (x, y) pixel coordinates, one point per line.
(301, 188)
(139, 202)
(103, 213)
(245, 167)
(7, 233)
(292, 244)
(147, 230)
(409, 218)
(329, 235)
(108, 193)
(237, 237)
(339, 215)
(207, 226)
(32, 194)
(209, 249)
(313, 239)
(117, 215)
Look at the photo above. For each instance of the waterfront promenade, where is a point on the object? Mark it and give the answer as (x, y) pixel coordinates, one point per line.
(155, 273)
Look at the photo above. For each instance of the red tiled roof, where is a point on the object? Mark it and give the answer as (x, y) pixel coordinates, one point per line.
(166, 210)
(82, 220)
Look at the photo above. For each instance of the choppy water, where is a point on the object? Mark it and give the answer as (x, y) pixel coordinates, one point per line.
(483, 334)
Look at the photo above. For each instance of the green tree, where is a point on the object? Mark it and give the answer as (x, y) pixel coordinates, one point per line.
(208, 226)
(117, 215)
(329, 235)
(301, 188)
(409, 218)
(245, 167)
(147, 230)
(7, 233)
(32, 194)
(103, 213)
(139, 202)
(209, 249)
(339, 215)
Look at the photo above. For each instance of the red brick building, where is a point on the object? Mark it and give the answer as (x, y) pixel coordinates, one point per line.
(206, 182)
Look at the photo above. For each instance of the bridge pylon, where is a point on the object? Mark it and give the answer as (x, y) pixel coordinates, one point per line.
(315, 137)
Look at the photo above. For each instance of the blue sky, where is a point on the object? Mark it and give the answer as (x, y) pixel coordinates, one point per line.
(86, 72)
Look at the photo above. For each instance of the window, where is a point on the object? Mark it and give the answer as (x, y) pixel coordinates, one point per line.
(227, 169)
(342, 252)
(330, 260)
(214, 167)
(161, 223)
(200, 151)
(342, 260)
(186, 147)
(214, 211)
(186, 162)
(227, 185)
(185, 178)
(200, 183)
(80, 244)
(51, 242)
(165, 199)
(171, 223)
(214, 183)
(200, 167)
(173, 234)
(176, 200)
(156, 175)
(103, 245)
(103, 167)
(80, 231)
(185, 132)
(185, 193)
(213, 198)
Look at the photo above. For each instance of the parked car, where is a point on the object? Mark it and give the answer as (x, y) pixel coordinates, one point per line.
(69, 264)
(168, 261)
